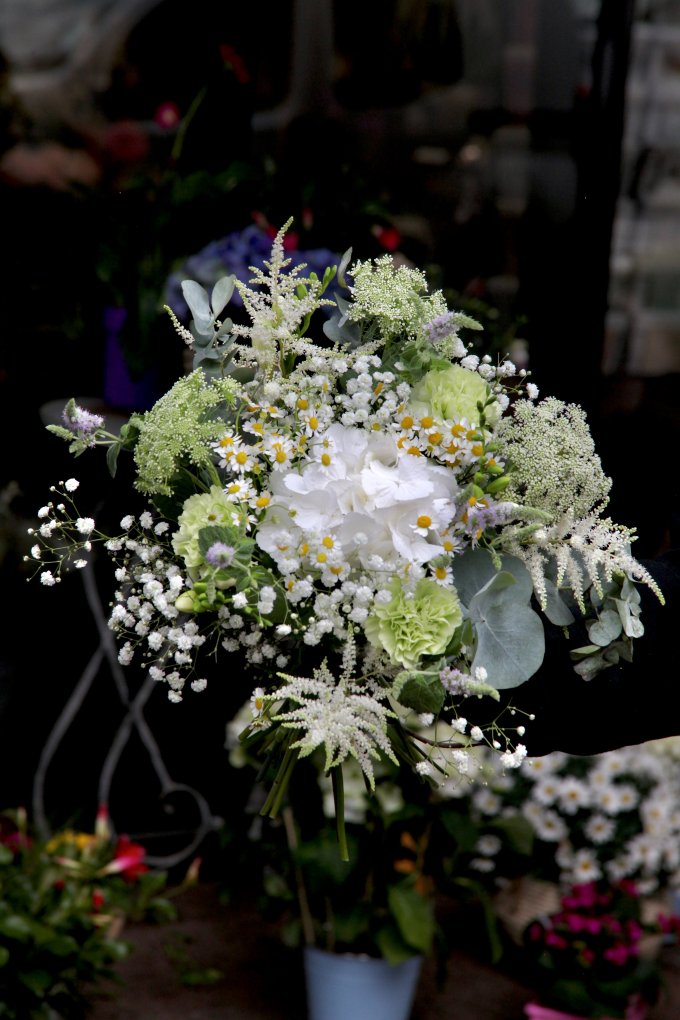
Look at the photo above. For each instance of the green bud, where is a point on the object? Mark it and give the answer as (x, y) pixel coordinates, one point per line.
(477, 492)
(301, 291)
(185, 603)
(498, 485)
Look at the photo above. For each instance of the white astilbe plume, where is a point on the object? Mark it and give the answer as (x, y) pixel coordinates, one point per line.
(338, 714)
(587, 551)
(278, 310)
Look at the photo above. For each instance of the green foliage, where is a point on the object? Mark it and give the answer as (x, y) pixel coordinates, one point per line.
(510, 641)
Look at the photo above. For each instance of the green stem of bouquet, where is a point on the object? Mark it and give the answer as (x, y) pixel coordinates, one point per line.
(339, 800)
(272, 805)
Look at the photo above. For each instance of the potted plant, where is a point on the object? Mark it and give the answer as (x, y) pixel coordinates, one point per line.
(63, 903)
(394, 899)
(597, 955)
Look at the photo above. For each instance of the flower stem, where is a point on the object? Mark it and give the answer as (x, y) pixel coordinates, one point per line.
(339, 799)
(272, 805)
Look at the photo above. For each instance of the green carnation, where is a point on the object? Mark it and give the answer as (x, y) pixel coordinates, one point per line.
(451, 394)
(415, 624)
(200, 511)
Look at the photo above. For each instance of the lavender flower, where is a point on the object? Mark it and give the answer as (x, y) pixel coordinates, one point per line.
(220, 555)
(81, 422)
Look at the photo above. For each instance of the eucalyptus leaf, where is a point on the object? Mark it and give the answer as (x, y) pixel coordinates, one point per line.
(472, 572)
(221, 293)
(510, 642)
(605, 629)
(630, 618)
(342, 268)
(196, 298)
(556, 609)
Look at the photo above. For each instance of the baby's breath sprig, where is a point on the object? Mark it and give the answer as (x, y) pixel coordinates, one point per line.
(64, 539)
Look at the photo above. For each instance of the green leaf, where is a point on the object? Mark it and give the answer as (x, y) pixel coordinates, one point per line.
(414, 915)
(4, 955)
(473, 571)
(221, 293)
(16, 927)
(39, 981)
(196, 298)
(422, 692)
(391, 946)
(510, 641)
(60, 945)
(605, 629)
(556, 609)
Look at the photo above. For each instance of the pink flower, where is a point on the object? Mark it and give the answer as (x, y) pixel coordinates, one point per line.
(167, 115)
(617, 954)
(555, 940)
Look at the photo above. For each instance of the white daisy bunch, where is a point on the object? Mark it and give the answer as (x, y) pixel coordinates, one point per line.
(613, 816)
(354, 514)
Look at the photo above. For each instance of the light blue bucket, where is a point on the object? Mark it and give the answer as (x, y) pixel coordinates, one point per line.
(341, 986)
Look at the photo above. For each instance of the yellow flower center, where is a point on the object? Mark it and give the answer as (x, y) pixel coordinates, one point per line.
(325, 459)
(424, 521)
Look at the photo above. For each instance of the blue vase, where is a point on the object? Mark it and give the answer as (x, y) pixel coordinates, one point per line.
(342, 986)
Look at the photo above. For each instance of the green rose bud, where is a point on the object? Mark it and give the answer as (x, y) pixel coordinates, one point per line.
(415, 624)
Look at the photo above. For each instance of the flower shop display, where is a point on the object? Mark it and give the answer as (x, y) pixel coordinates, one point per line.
(63, 904)
(590, 954)
(373, 522)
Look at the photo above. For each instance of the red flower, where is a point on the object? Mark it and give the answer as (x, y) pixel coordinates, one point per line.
(98, 899)
(128, 859)
(388, 238)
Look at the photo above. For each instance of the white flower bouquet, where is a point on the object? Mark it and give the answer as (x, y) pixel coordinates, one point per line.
(376, 520)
